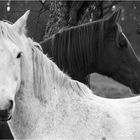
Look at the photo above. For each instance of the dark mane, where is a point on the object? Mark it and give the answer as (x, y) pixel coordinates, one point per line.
(77, 47)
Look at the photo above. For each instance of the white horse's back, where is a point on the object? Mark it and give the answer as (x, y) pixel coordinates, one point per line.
(100, 118)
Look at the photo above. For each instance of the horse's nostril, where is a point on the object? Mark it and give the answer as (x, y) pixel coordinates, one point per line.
(10, 105)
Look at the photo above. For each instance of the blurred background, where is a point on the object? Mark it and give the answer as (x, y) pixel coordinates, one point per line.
(48, 17)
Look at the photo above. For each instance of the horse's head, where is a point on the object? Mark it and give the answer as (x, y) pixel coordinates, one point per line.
(10, 65)
(118, 59)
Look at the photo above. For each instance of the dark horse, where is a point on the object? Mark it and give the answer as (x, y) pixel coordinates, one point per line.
(100, 47)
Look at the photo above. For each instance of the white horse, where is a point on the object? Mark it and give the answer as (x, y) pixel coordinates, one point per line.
(41, 102)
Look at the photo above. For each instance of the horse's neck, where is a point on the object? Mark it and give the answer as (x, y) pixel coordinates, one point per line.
(37, 101)
(75, 54)
(33, 119)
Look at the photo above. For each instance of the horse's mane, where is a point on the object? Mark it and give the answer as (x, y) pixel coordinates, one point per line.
(77, 45)
(46, 72)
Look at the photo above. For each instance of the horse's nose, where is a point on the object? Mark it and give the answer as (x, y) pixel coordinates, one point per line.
(9, 106)
(5, 114)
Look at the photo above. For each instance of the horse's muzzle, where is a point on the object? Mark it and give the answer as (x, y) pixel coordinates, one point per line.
(5, 114)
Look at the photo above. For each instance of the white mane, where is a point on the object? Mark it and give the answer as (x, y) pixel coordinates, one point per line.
(46, 70)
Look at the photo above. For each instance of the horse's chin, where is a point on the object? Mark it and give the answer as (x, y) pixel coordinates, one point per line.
(133, 85)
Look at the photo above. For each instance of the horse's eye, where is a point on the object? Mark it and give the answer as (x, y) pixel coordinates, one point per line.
(122, 41)
(19, 55)
(123, 44)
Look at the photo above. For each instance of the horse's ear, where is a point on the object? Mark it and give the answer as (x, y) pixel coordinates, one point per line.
(115, 17)
(20, 24)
